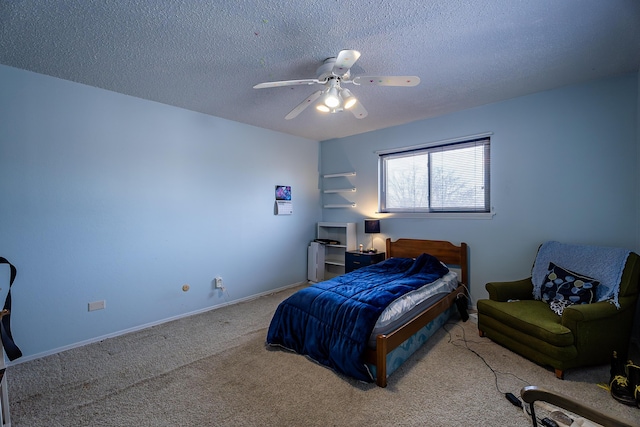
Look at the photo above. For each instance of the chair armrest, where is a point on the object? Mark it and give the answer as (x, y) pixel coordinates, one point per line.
(504, 291)
(599, 327)
(594, 311)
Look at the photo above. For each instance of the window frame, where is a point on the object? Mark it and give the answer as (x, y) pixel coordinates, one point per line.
(485, 212)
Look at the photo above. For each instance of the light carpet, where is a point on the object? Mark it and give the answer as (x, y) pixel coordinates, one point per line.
(213, 369)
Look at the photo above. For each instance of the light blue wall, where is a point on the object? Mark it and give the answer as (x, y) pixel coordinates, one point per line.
(109, 197)
(104, 196)
(564, 166)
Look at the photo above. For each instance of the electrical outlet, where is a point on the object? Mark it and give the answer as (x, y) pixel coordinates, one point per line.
(218, 283)
(97, 305)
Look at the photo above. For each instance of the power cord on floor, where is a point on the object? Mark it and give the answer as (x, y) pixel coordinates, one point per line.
(466, 345)
(512, 398)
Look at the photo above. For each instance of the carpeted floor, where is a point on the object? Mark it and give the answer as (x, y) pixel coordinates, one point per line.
(213, 369)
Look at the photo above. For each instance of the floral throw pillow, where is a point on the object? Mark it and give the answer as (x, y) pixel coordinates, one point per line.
(562, 287)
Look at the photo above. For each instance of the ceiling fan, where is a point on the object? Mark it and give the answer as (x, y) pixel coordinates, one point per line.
(334, 98)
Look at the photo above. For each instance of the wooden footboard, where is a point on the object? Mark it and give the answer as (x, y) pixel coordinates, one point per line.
(446, 252)
(386, 343)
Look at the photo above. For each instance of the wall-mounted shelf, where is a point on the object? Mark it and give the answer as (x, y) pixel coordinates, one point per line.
(340, 190)
(340, 205)
(336, 175)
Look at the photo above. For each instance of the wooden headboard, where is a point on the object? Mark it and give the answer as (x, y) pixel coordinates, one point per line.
(446, 252)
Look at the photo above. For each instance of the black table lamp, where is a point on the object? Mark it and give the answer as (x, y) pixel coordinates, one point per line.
(371, 226)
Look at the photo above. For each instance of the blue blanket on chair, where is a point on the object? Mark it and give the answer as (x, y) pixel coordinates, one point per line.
(331, 321)
(602, 263)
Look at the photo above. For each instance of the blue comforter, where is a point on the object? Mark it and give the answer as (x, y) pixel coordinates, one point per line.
(331, 321)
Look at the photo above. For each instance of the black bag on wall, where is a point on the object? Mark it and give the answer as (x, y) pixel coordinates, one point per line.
(12, 350)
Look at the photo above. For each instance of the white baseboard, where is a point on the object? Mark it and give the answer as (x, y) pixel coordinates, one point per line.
(147, 325)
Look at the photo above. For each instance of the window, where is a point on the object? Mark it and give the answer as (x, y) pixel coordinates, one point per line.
(451, 177)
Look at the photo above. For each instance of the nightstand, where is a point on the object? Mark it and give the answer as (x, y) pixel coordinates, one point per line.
(356, 259)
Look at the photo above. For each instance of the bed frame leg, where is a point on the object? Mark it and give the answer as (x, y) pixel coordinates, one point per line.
(559, 374)
(481, 332)
(381, 361)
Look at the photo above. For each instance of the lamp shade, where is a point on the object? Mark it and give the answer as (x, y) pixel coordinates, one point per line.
(371, 226)
(331, 99)
(348, 98)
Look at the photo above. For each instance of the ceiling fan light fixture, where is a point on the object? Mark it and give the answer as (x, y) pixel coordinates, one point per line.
(332, 99)
(348, 99)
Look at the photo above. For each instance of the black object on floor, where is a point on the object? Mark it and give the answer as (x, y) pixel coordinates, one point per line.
(513, 399)
(618, 381)
(461, 303)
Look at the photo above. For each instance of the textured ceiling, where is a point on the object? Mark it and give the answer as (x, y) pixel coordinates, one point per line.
(207, 55)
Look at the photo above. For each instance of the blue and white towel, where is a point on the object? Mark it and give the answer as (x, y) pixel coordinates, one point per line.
(605, 264)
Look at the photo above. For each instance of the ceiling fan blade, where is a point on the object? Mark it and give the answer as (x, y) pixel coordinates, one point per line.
(287, 83)
(304, 104)
(344, 61)
(387, 80)
(358, 110)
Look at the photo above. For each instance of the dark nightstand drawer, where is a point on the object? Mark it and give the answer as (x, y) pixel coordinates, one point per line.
(355, 259)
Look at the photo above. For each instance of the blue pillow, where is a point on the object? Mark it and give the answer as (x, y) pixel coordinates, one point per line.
(562, 287)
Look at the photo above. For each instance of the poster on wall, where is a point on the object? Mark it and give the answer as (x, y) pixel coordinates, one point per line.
(283, 200)
(283, 192)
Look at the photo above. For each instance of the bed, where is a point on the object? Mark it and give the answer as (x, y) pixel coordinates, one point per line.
(339, 323)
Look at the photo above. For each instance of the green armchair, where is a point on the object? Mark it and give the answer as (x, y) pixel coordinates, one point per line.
(585, 334)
